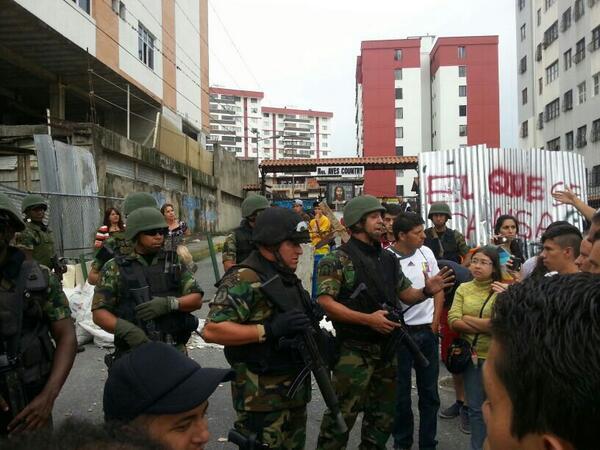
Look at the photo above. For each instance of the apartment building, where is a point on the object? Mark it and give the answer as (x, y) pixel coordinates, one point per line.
(423, 94)
(558, 44)
(115, 62)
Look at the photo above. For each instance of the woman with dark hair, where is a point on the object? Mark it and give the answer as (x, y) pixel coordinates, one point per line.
(177, 228)
(470, 316)
(111, 224)
(506, 230)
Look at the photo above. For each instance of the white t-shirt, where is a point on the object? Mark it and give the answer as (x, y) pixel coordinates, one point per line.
(413, 267)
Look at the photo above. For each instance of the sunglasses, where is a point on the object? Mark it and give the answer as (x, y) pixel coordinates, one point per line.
(155, 231)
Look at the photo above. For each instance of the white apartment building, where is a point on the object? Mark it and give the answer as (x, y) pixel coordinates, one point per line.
(558, 47)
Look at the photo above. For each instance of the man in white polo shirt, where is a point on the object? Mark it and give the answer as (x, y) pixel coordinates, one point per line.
(422, 320)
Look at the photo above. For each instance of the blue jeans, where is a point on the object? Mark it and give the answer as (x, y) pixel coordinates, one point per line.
(427, 389)
(475, 396)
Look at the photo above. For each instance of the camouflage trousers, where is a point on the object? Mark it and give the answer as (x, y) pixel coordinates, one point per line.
(280, 429)
(363, 382)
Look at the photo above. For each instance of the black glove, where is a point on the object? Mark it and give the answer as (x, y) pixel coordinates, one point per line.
(286, 324)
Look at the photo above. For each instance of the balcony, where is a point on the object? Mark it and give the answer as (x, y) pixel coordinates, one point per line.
(594, 45)
(290, 119)
(579, 56)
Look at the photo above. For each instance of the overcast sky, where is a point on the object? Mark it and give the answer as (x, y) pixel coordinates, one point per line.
(302, 53)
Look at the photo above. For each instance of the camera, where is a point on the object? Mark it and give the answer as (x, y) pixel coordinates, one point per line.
(499, 240)
(514, 263)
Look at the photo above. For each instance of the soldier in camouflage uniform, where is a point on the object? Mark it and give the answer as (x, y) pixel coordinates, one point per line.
(445, 243)
(251, 326)
(355, 285)
(34, 312)
(117, 244)
(36, 239)
(238, 244)
(146, 294)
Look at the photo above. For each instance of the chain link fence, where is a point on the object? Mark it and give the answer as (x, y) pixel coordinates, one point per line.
(73, 219)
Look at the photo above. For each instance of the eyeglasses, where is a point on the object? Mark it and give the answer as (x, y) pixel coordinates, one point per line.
(155, 231)
(481, 262)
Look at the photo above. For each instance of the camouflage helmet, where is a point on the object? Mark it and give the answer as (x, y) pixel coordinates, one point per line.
(276, 225)
(144, 219)
(358, 207)
(9, 212)
(439, 208)
(33, 200)
(254, 203)
(137, 200)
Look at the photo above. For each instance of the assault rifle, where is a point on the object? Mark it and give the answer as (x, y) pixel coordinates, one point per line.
(243, 442)
(58, 266)
(142, 295)
(11, 379)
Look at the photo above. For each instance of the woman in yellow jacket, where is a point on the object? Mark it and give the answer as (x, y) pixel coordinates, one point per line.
(470, 316)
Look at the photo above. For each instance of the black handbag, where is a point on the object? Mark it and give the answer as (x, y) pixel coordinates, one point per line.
(460, 350)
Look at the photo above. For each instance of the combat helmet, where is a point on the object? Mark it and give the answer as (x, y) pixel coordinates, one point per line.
(137, 200)
(254, 203)
(144, 219)
(439, 208)
(33, 200)
(358, 207)
(276, 225)
(9, 213)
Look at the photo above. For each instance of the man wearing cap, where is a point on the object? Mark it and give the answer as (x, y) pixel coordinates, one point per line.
(117, 244)
(146, 294)
(298, 208)
(257, 307)
(356, 285)
(34, 312)
(161, 392)
(238, 244)
(36, 239)
(444, 243)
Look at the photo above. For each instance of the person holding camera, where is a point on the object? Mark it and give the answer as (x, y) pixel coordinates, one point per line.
(506, 230)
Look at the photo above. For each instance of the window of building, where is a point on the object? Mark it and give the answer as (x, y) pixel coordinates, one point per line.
(399, 173)
(265, 114)
(551, 34)
(523, 32)
(539, 17)
(595, 44)
(567, 59)
(398, 93)
(540, 122)
(145, 46)
(524, 96)
(521, 5)
(399, 132)
(565, 23)
(579, 51)
(554, 144)
(524, 129)
(581, 136)
(324, 127)
(400, 190)
(462, 110)
(462, 91)
(399, 113)
(569, 141)
(596, 80)
(462, 71)
(581, 93)
(523, 64)
(399, 150)
(540, 86)
(398, 54)
(462, 130)
(462, 52)
(397, 74)
(538, 52)
(552, 72)
(595, 137)
(595, 175)
(83, 4)
(548, 3)
(568, 100)
(253, 100)
(579, 10)
(552, 110)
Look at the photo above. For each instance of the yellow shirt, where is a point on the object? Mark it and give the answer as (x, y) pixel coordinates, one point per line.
(318, 229)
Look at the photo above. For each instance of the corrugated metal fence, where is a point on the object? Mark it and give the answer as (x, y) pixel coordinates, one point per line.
(481, 183)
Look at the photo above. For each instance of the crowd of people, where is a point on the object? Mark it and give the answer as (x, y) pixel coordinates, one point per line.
(520, 336)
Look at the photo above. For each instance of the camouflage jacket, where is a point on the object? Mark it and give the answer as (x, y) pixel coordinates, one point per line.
(240, 300)
(117, 244)
(37, 240)
(229, 250)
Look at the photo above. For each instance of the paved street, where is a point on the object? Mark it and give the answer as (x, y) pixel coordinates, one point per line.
(82, 394)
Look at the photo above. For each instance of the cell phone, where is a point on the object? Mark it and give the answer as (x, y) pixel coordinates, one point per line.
(514, 263)
(499, 240)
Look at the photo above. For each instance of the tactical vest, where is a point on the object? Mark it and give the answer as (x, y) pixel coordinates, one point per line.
(138, 284)
(270, 357)
(444, 246)
(243, 242)
(44, 251)
(380, 277)
(25, 342)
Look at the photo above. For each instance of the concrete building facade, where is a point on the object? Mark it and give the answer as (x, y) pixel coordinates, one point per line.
(558, 43)
(412, 95)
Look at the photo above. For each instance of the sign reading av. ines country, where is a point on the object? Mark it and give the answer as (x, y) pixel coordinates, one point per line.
(341, 171)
